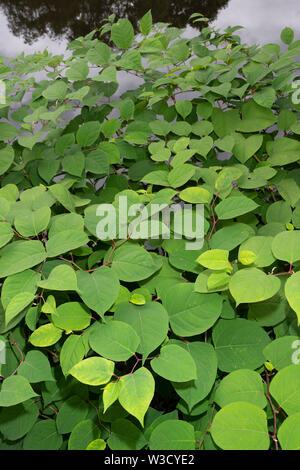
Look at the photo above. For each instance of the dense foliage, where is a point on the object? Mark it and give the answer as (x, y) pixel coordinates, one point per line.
(130, 343)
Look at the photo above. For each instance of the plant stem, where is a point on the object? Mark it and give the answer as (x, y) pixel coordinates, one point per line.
(275, 412)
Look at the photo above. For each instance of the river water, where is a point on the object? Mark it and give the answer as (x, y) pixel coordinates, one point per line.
(33, 25)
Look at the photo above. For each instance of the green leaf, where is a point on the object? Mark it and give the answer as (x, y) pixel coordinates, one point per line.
(181, 128)
(72, 412)
(239, 344)
(131, 60)
(280, 351)
(36, 367)
(286, 246)
(175, 364)
(283, 151)
(16, 421)
(99, 54)
(160, 127)
(265, 97)
(234, 207)
(255, 118)
(29, 141)
(287, 35)
(7, 132)
(71, 353)
(111, 393)
(79, 94)
(279, 212)
(17, 284)
(115, 340)
(136, 393)
(125, 436)
(246, 148)
(261, 248)
(191, 313)
(231, 236)
(173, 435)
(182, 156)
(7, 156)
(108, 74)
(6, 233)
(88, 133)
(137, 299)
(196, 195)
(98, 290)
(127, 109)
(178, 51)
(20, 255)
(97, 162)
(209, 281)
(122, 34)
(61, 277)
(289, 433)
(285, 388)
(31, 223)
(132, 263)
(246, 257)
(93, 371)
(97, 444)
(146, 23)
(241, 385)
(64, 241)
(185, 260)
(202, 128)
(241, 426)
(110, 127)
(159, 177)
(286, 120)
(204, 355)
(225, 122)
(150, 321)
(78, 71)
(253, 285)
(202, 146)
(83, 434)
(73, 163)
(43, 436)
(289, 190)
(292, 293)
(217, 281)
(214, 259)
(254, 72)
(45, 335)
(56, 91)
(184, 108)
(71, 316)
(180, 175)
(15, 389)
(63, 196)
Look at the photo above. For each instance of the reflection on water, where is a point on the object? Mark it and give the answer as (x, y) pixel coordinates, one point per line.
(56, 18)
(32, 25)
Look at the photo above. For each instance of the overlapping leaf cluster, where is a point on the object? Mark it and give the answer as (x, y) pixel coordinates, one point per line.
(128, 343)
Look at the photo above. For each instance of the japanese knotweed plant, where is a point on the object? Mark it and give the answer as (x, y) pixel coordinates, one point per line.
(129, 343)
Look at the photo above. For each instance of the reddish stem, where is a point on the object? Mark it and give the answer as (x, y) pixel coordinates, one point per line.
(275, 412)
(208, 427)
(22, 357)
